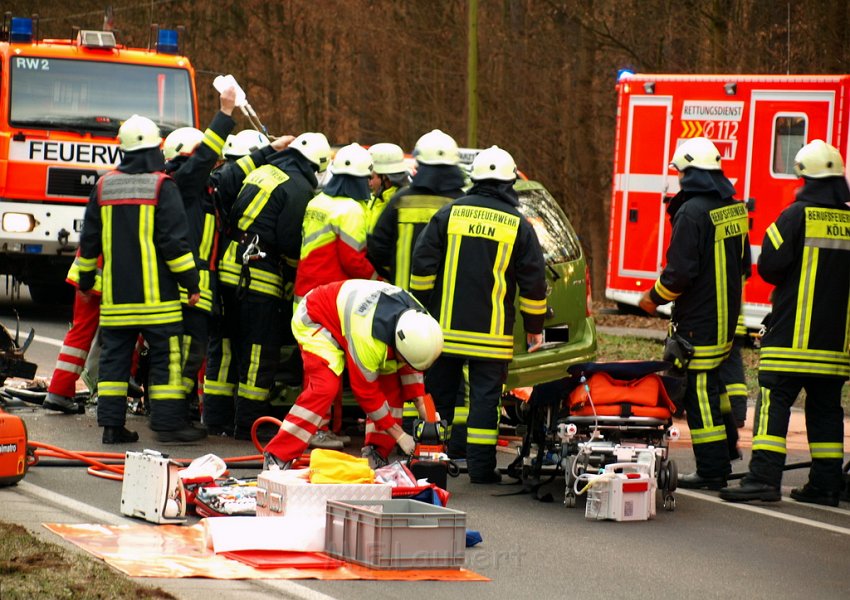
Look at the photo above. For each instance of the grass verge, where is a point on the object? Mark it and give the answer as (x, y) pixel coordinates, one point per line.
(32, 568)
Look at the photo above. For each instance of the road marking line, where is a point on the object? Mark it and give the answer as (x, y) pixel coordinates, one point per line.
(64, 503)
(36, 338)
(768, 513)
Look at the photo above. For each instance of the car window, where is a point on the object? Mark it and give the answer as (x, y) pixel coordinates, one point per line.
(557, 239)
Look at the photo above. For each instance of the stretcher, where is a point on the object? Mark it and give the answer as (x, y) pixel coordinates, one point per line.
(602, 414)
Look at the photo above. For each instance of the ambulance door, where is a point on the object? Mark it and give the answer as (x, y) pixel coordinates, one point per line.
(781, 122)
(643, 184)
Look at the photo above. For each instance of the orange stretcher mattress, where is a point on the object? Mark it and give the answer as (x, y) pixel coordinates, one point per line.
(604, 395)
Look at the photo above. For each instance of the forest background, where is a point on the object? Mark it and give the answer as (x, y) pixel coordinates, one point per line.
(390, 70)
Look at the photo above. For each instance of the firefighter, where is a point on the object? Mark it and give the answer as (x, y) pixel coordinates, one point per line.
(806, 255)
(244, 152)
(333, 245)
(191, 155)
(135, 218)
(389, 175)
(76, 345)
(382, 336)
(438, 181)
(703, 275)
(467, 266)
(264, 238)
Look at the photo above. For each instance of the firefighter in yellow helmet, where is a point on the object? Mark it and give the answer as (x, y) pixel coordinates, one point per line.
(468, 265)
(135, 218)
(389, 175)
(806, 255)
(703, 277)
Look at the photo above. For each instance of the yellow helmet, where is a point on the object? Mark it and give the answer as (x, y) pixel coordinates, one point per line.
(387, 158)
(181, 142)
(817, 160)
(138, 133)
(698, 152)
(418, 338)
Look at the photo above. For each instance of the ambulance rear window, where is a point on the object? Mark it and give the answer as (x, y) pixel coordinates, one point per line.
(80, 95)
(789, 135)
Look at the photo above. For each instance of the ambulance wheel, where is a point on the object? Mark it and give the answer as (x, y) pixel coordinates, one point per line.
(570, 499)
(669, 502)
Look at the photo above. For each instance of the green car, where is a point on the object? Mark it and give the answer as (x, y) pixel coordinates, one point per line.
(569, 333)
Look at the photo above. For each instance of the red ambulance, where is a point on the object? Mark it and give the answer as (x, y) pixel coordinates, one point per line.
(758, 122)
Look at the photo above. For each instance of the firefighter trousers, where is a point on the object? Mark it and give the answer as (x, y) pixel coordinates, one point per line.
(444, 380)
(702, 402)
(196, 333)
(824, 428)
(222, 372)
(165, 390)
(76, 345)
(257, 347)
(734, 380)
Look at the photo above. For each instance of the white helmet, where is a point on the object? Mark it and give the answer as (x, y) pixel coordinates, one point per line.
(817, 160)
(243, 143)
(181, 142)
(353, 159)
(436, 148)
(387, 158)
(493, 163)
(418, 338)
(315, 148)
(138, 133)
(697, 152)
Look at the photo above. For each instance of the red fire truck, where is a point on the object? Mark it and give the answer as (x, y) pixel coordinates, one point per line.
(61, 103)
(758, 122)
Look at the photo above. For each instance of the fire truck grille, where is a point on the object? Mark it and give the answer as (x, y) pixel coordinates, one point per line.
(74, 183)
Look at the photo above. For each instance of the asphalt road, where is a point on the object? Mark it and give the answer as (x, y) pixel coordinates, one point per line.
(703, 549)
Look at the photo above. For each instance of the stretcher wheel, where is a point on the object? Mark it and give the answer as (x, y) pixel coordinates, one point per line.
(570, 499)
(672, 477)
(669, 502)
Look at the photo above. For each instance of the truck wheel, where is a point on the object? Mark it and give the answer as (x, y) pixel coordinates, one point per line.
(51, 294)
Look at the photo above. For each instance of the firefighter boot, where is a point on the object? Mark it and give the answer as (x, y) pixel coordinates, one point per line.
(814, 495)
(750, 490)
(119, 435)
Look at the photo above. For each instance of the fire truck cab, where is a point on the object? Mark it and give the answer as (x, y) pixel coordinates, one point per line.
(757, 122)
(61, 103)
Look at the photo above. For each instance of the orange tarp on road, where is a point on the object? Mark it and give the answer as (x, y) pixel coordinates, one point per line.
(180, 551)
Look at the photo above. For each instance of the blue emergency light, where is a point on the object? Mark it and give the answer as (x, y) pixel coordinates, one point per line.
(21, 30)
(624, 74)
(166, 41)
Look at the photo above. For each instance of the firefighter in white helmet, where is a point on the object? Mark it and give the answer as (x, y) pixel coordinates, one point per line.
(243, 143)
(468, 264)
(383, 338)
(806, 255)
(707, 261)
(389, 175)
(135, 218)
(256, 273)
(438, 180)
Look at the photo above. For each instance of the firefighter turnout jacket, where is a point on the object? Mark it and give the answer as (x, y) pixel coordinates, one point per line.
(268, 213)
(391, 242)
(192, 175)
(467, 265)
(705, 265)
(333, 243)
(806, 255)
(140, 271)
